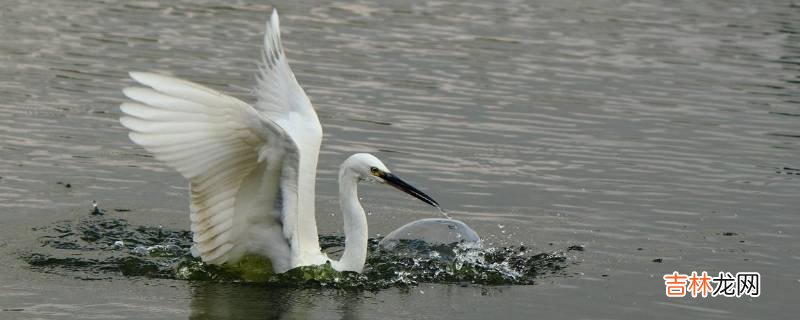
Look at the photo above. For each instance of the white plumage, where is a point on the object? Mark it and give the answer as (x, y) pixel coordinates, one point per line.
(251, 168)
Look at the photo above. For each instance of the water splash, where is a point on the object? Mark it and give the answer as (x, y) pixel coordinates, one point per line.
(96, 247)
(444, 213)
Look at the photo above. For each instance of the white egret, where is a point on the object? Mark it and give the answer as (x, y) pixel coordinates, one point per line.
(252, 168)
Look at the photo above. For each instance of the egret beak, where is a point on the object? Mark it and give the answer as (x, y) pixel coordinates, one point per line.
(401, 185)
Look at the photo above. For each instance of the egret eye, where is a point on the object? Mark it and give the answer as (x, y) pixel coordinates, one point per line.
(374, 171)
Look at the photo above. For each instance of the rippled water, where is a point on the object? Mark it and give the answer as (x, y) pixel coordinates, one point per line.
(640, 130)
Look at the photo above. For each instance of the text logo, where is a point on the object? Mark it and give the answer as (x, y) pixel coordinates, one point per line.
(724, 284)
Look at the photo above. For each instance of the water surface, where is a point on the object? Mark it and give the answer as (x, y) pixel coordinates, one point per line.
(641, 130)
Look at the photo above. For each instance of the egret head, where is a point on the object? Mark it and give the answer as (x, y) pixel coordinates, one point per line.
(368, 167)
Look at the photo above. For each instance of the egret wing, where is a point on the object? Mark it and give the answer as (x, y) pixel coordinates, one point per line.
(241, 166)
(282, 99)
(278, 92)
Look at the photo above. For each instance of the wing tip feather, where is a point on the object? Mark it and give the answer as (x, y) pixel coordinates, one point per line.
(130, 92)
(274, 15)
(140, 76)
(274, 21)
(125, 121)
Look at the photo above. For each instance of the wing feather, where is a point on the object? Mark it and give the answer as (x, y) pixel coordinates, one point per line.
(159, 100)
(142, 111)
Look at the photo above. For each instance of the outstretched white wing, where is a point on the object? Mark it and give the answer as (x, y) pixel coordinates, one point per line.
(279, 94)
(214, 141)
(251, 170)
(282, 99)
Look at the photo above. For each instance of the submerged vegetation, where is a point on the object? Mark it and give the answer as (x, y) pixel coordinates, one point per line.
(97, 247)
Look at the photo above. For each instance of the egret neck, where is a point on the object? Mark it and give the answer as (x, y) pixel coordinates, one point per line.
(355, 222)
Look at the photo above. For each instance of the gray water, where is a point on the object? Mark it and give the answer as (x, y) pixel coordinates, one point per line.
(640, 130)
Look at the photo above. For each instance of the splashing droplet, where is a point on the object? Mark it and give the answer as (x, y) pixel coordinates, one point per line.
(444, 213)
